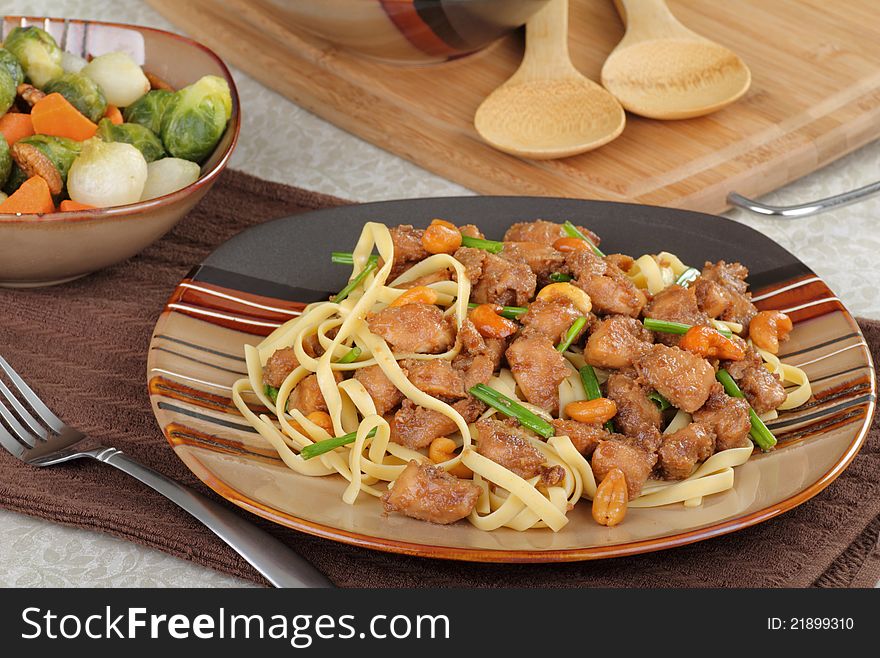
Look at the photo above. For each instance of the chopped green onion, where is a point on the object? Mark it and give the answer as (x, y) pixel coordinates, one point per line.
(513, 409)
(574, 232)
(346, 258)
(492, 246)
(509, 312)
(687, 276)
(676, 327)
(760, 433)
(591, 388)
(590, 383)
(271, 393)
(352, 354)
(327, 445)
(559, 277)
(659, 400)
(355, 282)
(572, 332)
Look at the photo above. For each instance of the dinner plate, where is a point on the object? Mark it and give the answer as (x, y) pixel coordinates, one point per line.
(264, 276)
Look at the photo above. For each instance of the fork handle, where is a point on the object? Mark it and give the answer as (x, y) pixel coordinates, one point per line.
(275, 561)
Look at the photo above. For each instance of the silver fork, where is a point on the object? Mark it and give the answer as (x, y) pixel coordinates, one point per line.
(49, 441)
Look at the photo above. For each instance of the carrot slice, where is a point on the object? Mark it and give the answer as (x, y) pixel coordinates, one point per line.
(33, 197)
(54, 115)
(69, 205)
(15, 126)
(113, 114)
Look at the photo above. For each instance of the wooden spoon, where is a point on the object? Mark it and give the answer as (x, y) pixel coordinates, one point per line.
(662, 70)
(547, 109)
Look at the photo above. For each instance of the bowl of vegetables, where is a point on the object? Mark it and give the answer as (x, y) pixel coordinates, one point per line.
(110, 134)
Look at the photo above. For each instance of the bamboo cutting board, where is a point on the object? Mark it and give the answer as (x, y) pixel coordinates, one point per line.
(815, 96)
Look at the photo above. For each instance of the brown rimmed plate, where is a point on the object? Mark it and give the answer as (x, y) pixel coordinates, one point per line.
(263, 277)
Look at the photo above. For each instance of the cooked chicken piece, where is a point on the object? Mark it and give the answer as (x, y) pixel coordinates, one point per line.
(712, 298)
(616, 342)
(538, 369)
(495, 279)
(682, 377)
(415, 427)
(682, 449)
(473, 343)
(542, 259)
(408, 249)
(675, 304)
(429, 493)
(435, 377)
(507, 443)
(474, 370)
(312, 346)
(627, 455)
(470, 408)
(622, 261)
(730, 275)
(636, 414)
(307, 395)
(608, 287)
(542, 231)
(279, 366)
(471, 340)
(471, 231)
(762, 388)
(584, 436)
(414, 328)
(479, 357)
(728, 417)
(731, 279)
(550, 319)
(385, 394)
(649, 439)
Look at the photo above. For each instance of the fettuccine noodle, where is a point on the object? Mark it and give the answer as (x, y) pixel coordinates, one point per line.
(370, 464)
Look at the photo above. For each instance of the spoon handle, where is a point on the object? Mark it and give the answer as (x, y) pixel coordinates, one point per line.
(547, 42)
(644, 18)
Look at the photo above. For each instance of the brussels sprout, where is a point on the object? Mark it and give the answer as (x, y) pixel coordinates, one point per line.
(37, 52)
(196, 117)
(81, 92)
(16, 178)
(7, 90)
(8, 62)
(60, 151)
(5, 162)
(107, 174)
(148, 110)
(169, 175)
(144, 139)
(119, 77)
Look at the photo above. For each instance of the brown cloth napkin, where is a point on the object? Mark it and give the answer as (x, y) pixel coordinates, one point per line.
(84, 346)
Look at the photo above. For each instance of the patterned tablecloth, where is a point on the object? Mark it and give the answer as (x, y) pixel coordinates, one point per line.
(283, 142)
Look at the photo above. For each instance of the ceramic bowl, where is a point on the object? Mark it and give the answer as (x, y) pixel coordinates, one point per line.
(404, 31)
(38, 250)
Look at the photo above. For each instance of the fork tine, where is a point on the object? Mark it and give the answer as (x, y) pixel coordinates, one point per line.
(33, 399)
(8, 442)
(23, 413)
(17, 428)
